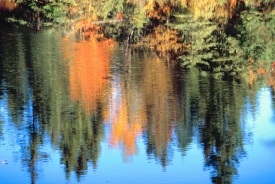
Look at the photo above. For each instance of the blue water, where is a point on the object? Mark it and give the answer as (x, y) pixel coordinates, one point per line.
(154, 123)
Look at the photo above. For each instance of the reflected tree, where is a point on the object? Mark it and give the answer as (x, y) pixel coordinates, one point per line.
(221, 132)
(161, 110)
(213, 113)
(15, 77)
(80, 142)
(41, 107)
(125, 115)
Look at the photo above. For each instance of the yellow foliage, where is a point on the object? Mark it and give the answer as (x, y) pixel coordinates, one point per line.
(208, 8)
(164, 41)
(156, 92)
(155, 10)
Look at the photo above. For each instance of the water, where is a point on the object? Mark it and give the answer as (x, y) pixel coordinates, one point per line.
(98, 112)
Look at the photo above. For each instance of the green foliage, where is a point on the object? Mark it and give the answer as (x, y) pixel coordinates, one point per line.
(258, 35)
(226, 46)
(133, 25)
(211, 48)
(139, 19)
(55, 11)
(108, 7)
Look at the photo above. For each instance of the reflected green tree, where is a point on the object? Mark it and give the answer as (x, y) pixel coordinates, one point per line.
(30, 151)
(221, 136)
(19, 99)
(35, 75)
(80, 142)
(220, 108)
(15, 76)
(73, 131)
(188, 98)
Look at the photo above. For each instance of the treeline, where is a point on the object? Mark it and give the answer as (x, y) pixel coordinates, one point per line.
(227, 37)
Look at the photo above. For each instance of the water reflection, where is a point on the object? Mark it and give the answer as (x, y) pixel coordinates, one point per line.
(125, 118)
(213, 111)
(75, 97)
(141, 103)
(89, 69)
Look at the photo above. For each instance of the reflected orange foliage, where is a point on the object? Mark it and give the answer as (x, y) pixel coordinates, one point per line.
(256, 71)
(123, 131)
(158, 87)
(271, 77)
(129, 108)
(125, 118)
(89, 67)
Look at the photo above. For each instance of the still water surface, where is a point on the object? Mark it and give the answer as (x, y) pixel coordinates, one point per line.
(97, 112)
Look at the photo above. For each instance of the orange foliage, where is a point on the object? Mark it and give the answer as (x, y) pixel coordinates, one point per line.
(86, 24)
(7, 5)
(126, 125)
(255, 71)
(271, 77)
(89, 67)
(166, 9)
(232, 3)
(73, 10)
(119, 16)
(272, 70)
(261, 71)
(252, 77)
(155, 10)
